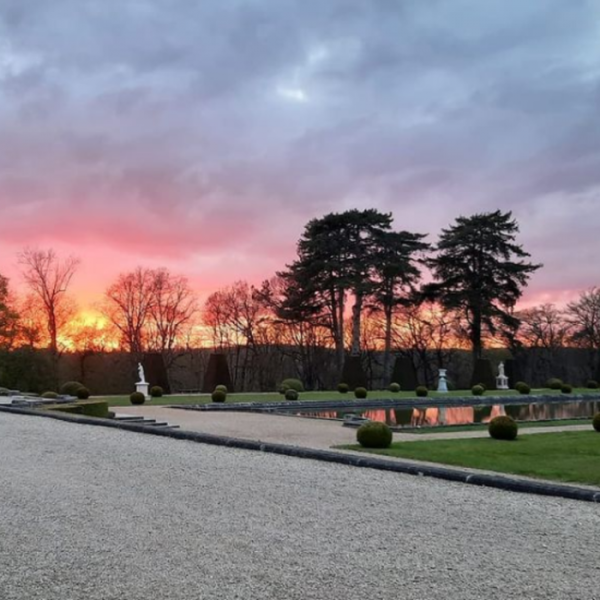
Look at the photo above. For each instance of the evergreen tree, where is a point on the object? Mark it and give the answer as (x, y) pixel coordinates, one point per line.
(480, 273)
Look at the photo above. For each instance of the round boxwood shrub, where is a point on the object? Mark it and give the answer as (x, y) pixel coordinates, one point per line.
(70, 388)
(156, 391)
(137, 398)
(222, 388)
(522, 388)
(360, 392)
(596, 422)
(477, 390)
(291, 394)
(50, 395)
(218, 396)
(503, 428)
(283, 389)
(394, 387)
(374, 435)
(422, 391)
(554, 383)
(83, 393)
(343, 388)
(592, 384)
(566, 388)
(294, 384)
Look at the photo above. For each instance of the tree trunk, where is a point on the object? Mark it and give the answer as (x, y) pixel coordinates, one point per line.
(356, 314)
(387, 350)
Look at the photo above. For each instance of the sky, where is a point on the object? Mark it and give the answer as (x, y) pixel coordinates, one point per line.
(203, 136)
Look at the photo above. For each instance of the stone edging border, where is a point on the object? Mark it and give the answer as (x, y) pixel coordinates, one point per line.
(369, 461)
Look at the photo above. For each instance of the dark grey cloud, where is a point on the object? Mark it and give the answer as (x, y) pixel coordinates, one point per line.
(176, 121)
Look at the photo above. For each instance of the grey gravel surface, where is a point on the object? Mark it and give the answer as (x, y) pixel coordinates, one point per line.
(93, 513)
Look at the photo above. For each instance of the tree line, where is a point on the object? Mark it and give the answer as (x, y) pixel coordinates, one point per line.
(356, 284)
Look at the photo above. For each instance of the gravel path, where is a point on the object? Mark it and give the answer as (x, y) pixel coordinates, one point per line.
(96, 514)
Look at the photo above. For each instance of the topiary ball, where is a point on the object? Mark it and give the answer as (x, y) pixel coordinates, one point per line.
(283, 389)
(503, 428)
(291, 394)
(70, 388)
(592, 384)
(554, 383)
(394, 387)
(50, 395)
(137, 398)
(294, 384)
(83, 393)
(374, 435)
(482, 386)
(156, 391)
(222, 388)
(343, 388)
(596, 422)
(477, 390)
(218, 396)
(523, 388)
(422, 391)
(566, 388)
(360, 392)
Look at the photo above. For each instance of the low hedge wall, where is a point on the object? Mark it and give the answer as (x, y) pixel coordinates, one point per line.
(89, 408)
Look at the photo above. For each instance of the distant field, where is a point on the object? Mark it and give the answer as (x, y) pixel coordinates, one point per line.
(332, 395)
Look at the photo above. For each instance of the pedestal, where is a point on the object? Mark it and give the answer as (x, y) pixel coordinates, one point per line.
(442, 385)
(142, 386)
(502, 382)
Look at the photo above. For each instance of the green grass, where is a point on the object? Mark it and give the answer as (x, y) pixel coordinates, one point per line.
(333, 395)
(572, 457)
(484, 426)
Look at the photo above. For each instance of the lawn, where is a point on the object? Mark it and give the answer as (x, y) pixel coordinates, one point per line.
(572, 457)
(332, 395)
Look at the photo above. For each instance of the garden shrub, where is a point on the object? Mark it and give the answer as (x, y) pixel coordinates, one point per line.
(477, 390)
(422, 391)
(70, 388)
(554, 383)
(83, 393)
(291, 394)
(218, 396)
(360, 392)
(282, 389)
(566, 388)
(137, 398)
(522, 388)
(50, 395)
(222, 388)
(294, 384)
(520, 384)
(343, 388)
(156, 391)
(374, 435)
(592, 384)
(503, 428)
(596, 422)
(394, 387)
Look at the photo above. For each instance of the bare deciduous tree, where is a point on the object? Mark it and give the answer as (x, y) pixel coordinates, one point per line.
(48, 278)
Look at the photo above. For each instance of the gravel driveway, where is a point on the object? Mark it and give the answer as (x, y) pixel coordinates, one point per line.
(92, 513)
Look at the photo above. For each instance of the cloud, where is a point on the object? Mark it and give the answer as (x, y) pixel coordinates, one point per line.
(168, 131)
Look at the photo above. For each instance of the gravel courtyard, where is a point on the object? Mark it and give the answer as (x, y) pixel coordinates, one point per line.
(97, 514)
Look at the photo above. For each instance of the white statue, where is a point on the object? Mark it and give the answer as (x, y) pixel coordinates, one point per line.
(502, 379)
(141, 373)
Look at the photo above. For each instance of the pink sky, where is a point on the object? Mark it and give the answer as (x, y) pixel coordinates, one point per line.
(202, 137)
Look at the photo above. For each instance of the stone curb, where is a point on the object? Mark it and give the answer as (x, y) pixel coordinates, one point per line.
(449, 474)
(319, 405)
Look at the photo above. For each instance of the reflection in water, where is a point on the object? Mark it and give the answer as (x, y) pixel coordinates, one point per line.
(464, 415)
